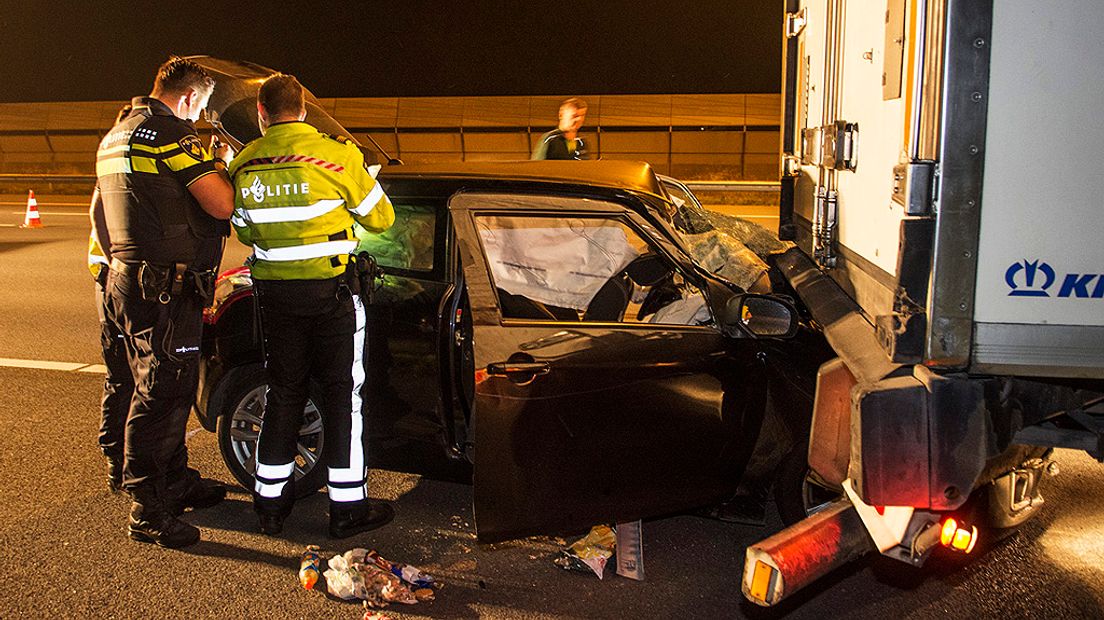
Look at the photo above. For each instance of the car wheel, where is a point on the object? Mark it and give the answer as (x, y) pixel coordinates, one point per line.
(239, 424)
(798, 491)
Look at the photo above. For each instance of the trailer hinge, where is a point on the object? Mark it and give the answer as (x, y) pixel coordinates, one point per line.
(834, 146)
(914, 186)
(824, 229)
(791, 164)
(795, 23)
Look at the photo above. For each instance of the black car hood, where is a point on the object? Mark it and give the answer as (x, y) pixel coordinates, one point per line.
(232, 108)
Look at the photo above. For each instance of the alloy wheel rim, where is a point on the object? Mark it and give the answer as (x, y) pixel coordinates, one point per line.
(245, 427)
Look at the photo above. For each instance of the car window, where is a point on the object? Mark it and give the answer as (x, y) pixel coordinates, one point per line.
(408, 244)
(549, 268)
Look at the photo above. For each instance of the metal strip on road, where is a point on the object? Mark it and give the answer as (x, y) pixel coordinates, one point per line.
(9, 362)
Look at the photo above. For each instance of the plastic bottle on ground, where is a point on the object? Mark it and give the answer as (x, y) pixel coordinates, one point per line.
(309, 564)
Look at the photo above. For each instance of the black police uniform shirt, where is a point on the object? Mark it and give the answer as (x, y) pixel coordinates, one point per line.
(553, 145)
(144, 166)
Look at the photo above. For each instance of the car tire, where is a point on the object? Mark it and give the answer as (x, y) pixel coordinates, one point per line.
(239, 424)
(798, 491)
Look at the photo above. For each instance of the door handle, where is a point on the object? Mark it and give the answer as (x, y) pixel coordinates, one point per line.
(520, 368)
(505, 369)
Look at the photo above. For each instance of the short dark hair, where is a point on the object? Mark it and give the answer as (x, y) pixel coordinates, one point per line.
(574, 102)
(179, 74)
(281, 95)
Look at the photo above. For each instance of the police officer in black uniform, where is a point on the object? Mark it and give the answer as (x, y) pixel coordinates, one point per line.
(166, 201)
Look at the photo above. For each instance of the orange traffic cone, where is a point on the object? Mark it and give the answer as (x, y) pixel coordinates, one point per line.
(32, 219)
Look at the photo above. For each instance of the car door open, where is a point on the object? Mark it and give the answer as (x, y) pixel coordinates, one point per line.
(604, 390)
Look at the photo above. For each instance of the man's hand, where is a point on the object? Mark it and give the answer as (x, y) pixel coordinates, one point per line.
(221, 150)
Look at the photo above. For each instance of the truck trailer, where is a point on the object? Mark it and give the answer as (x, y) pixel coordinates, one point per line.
(938, 178)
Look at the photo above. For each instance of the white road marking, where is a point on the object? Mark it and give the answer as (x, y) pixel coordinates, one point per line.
(23, 203)
(48, 365)
(52, 213)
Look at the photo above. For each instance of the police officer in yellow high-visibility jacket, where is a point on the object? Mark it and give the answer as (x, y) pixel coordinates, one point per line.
(298, 193)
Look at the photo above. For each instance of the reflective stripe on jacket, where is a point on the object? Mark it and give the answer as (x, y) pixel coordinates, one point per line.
(297, 194)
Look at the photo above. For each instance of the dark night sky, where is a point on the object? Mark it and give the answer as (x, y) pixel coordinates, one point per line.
(95, 51)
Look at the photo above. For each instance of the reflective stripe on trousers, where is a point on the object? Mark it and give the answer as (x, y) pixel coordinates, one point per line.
(350, 484)
(314, 333)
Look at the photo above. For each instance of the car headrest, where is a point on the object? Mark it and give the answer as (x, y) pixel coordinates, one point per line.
(647, 270)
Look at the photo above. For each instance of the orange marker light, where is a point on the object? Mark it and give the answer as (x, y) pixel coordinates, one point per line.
(957, 536)
(950, 526)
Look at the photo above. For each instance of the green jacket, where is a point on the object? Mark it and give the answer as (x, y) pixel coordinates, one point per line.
(297, 193)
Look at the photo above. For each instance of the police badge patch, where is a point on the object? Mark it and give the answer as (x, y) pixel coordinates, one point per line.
(192, 146)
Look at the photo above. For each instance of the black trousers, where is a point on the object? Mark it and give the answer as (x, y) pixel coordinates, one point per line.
(118, 385)
(162, 349)
(313, 334)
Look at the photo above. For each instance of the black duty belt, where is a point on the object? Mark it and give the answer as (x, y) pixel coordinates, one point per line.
(163, 282)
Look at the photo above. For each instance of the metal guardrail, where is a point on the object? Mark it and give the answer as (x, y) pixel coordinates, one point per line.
(733, 186)
(48, 178)
(705, 186)
(698, 187)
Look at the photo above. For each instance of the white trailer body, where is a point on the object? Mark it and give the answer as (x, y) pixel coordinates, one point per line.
(940, 177)
(1000, 129)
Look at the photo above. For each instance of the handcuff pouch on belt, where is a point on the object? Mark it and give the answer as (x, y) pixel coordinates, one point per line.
(164, 283)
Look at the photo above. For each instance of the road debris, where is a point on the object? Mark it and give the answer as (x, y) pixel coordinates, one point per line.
(589, 553)
(310, 564)
(630, 550)
(366, 575)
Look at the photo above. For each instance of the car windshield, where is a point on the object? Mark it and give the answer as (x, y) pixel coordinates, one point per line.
(724, 245)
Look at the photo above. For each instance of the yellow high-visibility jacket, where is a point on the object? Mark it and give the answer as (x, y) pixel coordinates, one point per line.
(297, 193)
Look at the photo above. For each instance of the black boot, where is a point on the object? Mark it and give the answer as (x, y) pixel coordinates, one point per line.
(348, 518)
(115, 474)
(150, 522)
(195, 492)
(271, 512)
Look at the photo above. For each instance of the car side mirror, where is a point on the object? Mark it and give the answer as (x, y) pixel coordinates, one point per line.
(761, 315)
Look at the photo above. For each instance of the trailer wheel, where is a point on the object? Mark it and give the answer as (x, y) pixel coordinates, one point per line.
(798, 491)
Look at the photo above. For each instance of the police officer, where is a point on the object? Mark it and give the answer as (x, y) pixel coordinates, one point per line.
(165, 202)
(564, 142)
(297, 195)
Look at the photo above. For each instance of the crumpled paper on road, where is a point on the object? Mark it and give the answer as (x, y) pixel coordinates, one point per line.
(355, 574)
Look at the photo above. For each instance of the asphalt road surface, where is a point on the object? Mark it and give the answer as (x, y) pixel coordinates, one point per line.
(64, 552)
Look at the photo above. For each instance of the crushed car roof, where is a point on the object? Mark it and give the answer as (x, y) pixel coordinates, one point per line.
(629, 175)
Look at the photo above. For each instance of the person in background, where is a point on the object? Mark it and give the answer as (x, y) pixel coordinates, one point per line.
(165, 200)
(299, 193)
(564, 142)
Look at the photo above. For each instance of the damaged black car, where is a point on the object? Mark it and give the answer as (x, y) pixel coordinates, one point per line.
(568, 336)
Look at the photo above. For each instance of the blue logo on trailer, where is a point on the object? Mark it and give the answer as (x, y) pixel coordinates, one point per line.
(1032, 279)
(1032, 286)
